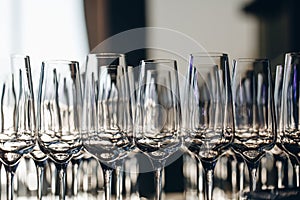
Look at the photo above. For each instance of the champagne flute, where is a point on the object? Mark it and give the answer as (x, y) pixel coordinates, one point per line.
(255, 125)
(37, 155)
(158, 113)
(17, 117)
(279, 152)
(107, 125)
(117, 59)
(289, 121)
(59, 114)
(208, 112)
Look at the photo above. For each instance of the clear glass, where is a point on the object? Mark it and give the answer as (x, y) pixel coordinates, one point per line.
(278, 151)
(59, 111)
(208, 114)
(255, 123)
(76, 161)
(17, 116)
(289, 119)
(39, 158)
(107, 123)
(158, 113)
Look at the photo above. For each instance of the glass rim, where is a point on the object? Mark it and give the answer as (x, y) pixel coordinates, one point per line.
(19, 55)
(208, 54)
(293, 53)
(159, 60)
(58, 61)
(252, 60)
(107, 55)
(111, 66)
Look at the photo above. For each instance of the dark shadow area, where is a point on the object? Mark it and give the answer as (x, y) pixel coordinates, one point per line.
(279, 28)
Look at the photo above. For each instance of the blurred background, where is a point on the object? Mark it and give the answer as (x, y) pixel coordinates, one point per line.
(70, 29)
(241, 28)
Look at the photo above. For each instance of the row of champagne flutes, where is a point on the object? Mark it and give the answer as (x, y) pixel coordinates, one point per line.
(108, 115)
(261, 123)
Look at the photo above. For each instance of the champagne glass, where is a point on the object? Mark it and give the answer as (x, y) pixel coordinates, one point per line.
(255, 123)
(208, 112)
(158, 113)
(107, 125)
(59, 114)
(113, 59)
(36, 154)
(17, 117)
(289, 121)
(278, 151)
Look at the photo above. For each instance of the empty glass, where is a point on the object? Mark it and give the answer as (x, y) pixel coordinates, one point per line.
(255, 125)
(208, 115)
(16, 117)
(290, 110)
(59, 114)
(158, 113)
(107, 124)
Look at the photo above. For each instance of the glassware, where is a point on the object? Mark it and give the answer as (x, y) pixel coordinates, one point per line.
(39, 158)
(36, 154)
(255, 125)
(208, 115)
(107, 124)
(278, 151)
(158, 114)
(17, 116)
(59, 114)
(289, 121)
(131, 163)
(76, 160)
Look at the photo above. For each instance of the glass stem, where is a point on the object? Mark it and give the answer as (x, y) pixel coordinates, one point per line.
(280, 174)
(158, 166)
(297, 175)
(199, 179)
(209, 174)
(119, 181)
(53, 178)
(75, 166)
(241, 177)
(209, 178)
(158, 178)
(252, 167)
(10, 173)
(107, 173)
(40, 166)
(61, 168)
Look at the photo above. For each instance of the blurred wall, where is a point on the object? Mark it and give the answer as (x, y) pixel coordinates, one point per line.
(106, 18)
(219, 26)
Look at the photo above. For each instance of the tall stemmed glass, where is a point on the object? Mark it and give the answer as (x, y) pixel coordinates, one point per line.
(17, 117)
(37, 155)
(107, 124)
(59, 114)
(208, 112)
(280, 154)
(117, 59)
(255, 126)
(158, 113)
(290, 109)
